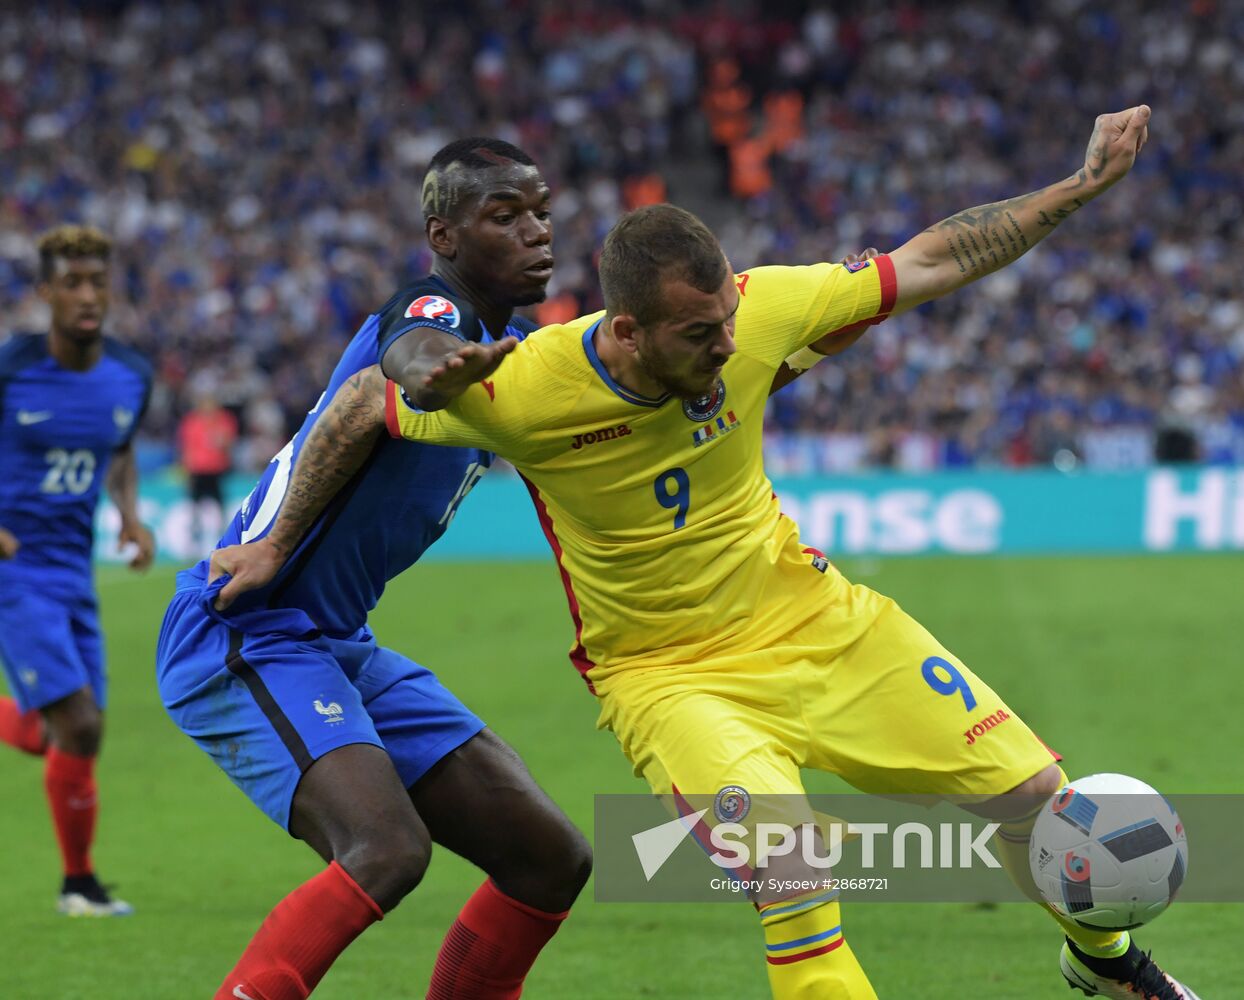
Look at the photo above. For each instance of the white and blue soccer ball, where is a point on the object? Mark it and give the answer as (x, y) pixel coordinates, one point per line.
(1108, 852)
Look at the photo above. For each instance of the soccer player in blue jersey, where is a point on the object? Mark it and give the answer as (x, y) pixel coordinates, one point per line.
(352, 747)
(70, 401)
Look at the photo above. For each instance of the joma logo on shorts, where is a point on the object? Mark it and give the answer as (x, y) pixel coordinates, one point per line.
(604, 434)
(986, 724)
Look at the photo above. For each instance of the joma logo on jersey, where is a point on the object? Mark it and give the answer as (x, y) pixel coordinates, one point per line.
(604, 434)
(718, 428)
(986, 724)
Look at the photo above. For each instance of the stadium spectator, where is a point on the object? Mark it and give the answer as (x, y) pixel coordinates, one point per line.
(258, 211)
(206, 437)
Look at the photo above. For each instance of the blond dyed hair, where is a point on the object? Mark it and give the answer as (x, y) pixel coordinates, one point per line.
(71, 242)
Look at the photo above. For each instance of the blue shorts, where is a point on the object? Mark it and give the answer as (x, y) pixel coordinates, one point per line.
(50, 646)
(265, 705)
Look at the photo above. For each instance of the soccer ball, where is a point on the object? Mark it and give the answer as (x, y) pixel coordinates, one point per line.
(1108, 852)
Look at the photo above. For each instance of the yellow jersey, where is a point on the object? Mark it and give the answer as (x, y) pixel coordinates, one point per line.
(668, 535)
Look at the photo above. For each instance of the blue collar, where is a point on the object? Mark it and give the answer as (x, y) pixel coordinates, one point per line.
(589, 348)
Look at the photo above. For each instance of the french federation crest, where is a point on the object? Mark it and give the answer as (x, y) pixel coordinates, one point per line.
(707, 406)
(732, 804)
(434, 307)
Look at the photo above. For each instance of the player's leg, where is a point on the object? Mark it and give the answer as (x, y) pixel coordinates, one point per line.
(21, 725)
(23, 731)
(722, 741)
(351, 809)
(1099, 963)
(281, 719)
(897, 713)
(57, 669)
(199, 531)
(477, 799)
(481, 802)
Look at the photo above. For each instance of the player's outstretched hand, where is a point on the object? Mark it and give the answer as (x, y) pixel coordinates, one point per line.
(136, 533)
(8, 544)
(251, 566)
(467, 365)
(1114, 145)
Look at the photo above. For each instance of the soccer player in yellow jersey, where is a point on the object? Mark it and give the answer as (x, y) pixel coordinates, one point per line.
(725, 652)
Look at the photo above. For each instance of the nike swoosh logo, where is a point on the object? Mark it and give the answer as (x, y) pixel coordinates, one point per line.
(25, 417)
(241, 994)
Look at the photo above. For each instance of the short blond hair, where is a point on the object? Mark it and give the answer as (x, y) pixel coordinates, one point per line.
(73, 243)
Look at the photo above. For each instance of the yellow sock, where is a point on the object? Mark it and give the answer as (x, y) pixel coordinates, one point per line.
(1010, 844)
(807, 955)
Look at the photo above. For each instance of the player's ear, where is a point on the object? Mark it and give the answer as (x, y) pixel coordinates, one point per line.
(624, 330)
(441, 237)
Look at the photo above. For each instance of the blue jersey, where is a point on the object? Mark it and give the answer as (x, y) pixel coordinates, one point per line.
(384, 519)
(58, 432)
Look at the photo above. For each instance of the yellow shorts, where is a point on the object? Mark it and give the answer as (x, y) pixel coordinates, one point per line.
(893, 713)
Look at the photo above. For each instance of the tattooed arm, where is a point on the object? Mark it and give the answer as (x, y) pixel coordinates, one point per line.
(433, 367)
(336, 448)
(979, 241)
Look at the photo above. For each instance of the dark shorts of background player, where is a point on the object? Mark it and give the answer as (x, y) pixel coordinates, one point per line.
(207, 486)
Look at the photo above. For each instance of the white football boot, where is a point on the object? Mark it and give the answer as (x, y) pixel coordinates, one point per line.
(1133, 976)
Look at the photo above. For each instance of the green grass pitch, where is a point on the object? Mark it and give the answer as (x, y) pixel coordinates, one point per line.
(1127, 664)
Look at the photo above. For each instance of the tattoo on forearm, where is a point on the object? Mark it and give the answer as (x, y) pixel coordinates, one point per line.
(1053, 219)
(983, 239)
(340, 442)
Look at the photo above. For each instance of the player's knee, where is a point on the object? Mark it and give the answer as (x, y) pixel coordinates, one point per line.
(562, 852)
(75, 726)
(548, 866)
(574, 864)
(1023, 798)
(1044, 783)
(387, 867)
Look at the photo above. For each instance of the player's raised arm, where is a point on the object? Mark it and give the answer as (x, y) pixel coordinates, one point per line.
(335, 449)
(827, 346)
(981, 240)
(122, 486)
(432, 367)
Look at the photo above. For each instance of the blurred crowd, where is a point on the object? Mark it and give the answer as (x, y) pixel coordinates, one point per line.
(258, 164)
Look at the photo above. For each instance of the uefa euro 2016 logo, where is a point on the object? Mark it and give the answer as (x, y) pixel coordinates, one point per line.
(707, 406)
(434, 307)
(732, 804)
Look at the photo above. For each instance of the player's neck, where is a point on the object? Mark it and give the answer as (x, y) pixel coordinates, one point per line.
(622, 366)
(75, 354)
(494, 317)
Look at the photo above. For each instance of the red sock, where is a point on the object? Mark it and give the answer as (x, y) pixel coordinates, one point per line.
(491, 947)
(301, 938)
(69, 781)
(23, 730)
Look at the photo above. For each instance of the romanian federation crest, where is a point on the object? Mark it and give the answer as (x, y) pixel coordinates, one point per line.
(732, 804)
(707, 406)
